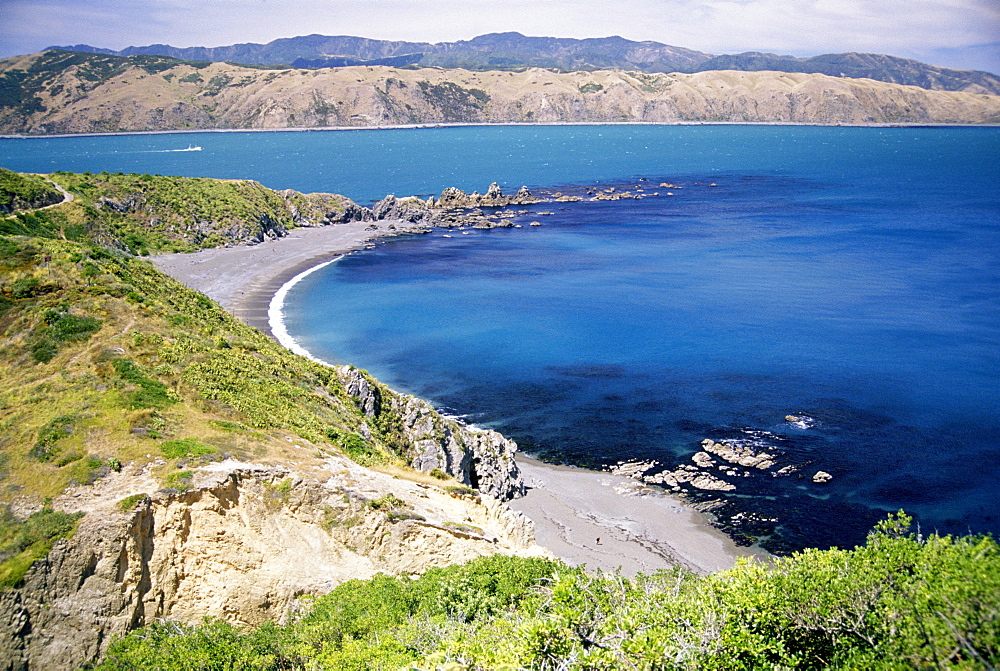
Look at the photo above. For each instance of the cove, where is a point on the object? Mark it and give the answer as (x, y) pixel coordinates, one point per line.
(845, 274)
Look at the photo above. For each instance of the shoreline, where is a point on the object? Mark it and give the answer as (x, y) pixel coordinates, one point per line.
(334, 129)
(601, 520)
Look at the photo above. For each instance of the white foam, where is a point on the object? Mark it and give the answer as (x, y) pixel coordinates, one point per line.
(276, 314)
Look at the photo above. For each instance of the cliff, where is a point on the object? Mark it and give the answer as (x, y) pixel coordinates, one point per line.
(241, 544)
(61, 92)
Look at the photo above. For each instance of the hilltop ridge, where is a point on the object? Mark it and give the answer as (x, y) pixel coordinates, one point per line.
(512, 51)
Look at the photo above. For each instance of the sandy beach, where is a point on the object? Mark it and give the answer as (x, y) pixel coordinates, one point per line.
(598, 519)
(244, 279)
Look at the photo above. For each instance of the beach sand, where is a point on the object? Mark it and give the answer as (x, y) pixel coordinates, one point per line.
(604, 521)
(244, 279)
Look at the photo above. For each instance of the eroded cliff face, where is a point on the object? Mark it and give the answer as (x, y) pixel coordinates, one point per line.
(480, 458)
(242, 544)
(228, 96)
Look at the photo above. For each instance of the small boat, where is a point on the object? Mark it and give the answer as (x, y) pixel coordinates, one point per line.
(191, 147)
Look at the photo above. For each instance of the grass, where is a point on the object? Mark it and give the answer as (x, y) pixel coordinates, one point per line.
(106, 360)
(24, 541)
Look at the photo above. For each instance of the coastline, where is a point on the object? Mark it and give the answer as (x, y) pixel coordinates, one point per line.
(328, 129)
(602, 520)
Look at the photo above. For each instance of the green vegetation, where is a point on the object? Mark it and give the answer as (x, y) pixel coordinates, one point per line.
(24, 541)
(19, 192)
(130, 503)
(145, 213)
(899, 602)
(379, 623)
(184, 447)
(453, 101)
(106, 361)
(18, 87)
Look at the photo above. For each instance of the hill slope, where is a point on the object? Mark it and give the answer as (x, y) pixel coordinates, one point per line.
(511, 51)
(63, 92)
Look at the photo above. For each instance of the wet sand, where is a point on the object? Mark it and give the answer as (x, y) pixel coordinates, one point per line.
(639, 529)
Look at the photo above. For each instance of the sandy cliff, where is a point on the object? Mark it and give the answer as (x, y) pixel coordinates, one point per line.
(242, 544)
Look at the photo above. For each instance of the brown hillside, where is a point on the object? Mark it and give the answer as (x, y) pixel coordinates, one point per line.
(220, 95)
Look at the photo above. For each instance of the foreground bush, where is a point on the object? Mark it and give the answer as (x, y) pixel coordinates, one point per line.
(901, 601)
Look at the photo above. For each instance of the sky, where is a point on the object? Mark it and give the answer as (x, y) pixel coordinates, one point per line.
(949, 33)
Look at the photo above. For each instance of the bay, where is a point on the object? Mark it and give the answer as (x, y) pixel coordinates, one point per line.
(847, 274)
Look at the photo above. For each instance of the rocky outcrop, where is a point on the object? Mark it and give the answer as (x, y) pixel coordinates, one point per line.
(243, 544)
(480, 458)
(410, 209)
(322, 209)
(754, 453)
(743, 455)
(452, 198)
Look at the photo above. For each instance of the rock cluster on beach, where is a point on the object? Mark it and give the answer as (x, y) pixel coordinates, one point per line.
(718, 466)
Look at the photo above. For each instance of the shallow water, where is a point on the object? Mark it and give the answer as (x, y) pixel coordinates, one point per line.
(847, 274)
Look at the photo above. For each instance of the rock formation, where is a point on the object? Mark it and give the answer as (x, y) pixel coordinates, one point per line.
(481, 459)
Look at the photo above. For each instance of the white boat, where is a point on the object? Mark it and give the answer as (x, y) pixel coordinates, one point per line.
(191, 147)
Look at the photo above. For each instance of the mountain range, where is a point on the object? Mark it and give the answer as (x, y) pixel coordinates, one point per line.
(514, 51)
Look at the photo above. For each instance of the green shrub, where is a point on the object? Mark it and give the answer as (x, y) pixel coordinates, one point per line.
(130, 503)
(24, 541)
(386, 502)
(45, 448)
(180, 480)
(44, 350)
(25, 287)
(67, 327)
(150, 393)
(185, 447)
(901, 601)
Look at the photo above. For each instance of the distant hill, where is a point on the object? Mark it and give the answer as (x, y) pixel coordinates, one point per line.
(495, 51)
(67, 92)
(513, 51)
(867, 66)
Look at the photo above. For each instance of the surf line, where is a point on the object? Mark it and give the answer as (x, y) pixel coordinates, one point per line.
(276, 314)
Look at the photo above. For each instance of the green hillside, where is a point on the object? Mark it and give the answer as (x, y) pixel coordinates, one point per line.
(143, 214)
(105, 360)
(25, 192)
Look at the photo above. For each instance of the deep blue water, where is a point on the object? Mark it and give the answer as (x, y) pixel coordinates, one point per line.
(849, 274)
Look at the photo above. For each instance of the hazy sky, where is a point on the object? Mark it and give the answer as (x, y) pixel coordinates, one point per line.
(953, 33)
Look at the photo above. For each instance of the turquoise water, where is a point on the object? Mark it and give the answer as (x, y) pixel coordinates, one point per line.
(849, 274)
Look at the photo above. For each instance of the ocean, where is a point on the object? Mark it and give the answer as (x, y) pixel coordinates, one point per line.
(847, 276)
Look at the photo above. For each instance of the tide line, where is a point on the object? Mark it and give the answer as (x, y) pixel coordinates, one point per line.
(276, 314)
